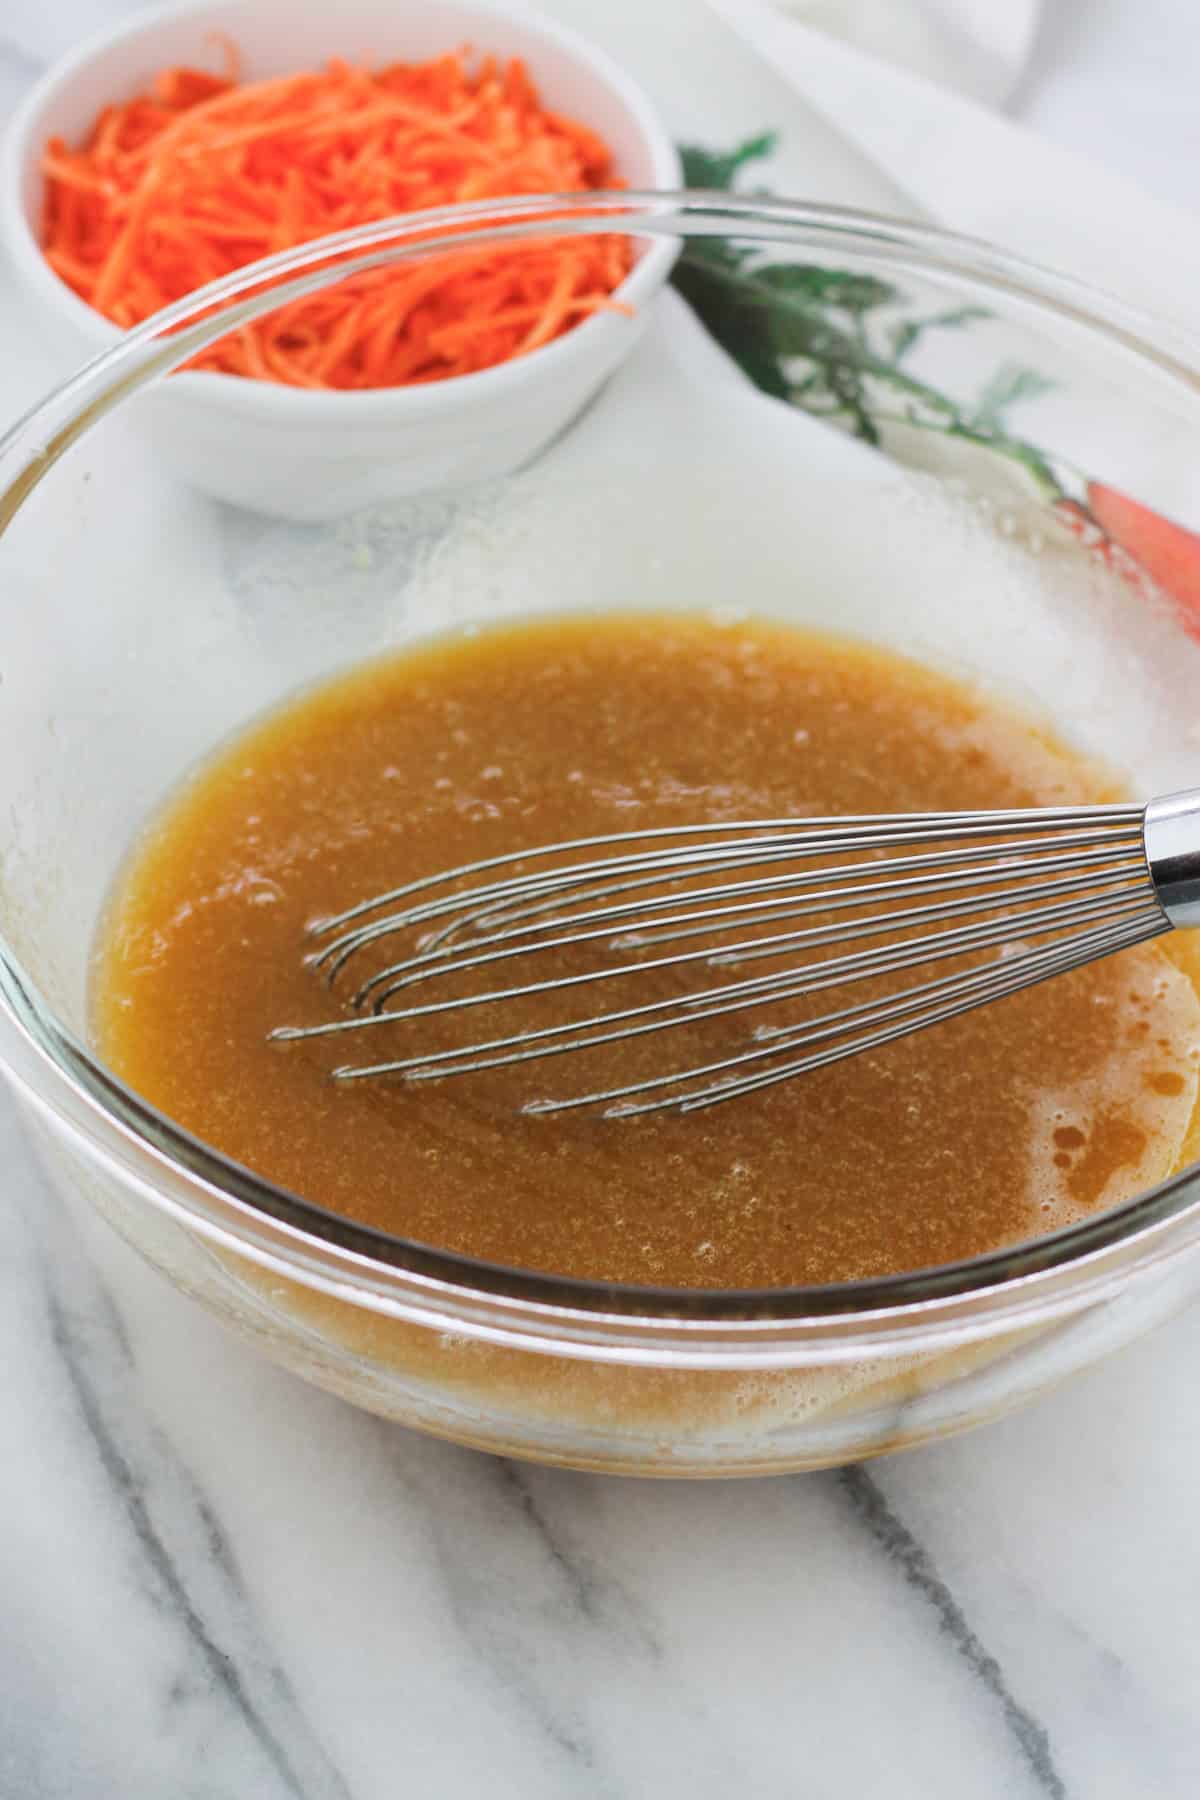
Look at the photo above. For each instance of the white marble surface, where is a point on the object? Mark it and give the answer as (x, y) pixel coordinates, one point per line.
(216, 1582)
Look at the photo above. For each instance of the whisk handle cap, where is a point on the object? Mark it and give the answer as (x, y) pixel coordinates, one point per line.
(1172, 838)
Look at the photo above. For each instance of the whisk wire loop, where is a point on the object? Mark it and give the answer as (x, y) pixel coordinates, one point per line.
(1013, 897)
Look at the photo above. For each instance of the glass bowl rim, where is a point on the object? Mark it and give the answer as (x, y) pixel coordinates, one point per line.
(33, 445)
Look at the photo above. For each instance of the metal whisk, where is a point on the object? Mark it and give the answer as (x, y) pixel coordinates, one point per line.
(1012, 897)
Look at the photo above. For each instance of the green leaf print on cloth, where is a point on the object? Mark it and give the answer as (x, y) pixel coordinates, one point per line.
(842, 344)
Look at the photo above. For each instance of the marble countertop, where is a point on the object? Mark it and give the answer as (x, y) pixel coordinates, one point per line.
(217, 1582)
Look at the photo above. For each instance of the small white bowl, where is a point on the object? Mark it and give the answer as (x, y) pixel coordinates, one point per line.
(293, 452)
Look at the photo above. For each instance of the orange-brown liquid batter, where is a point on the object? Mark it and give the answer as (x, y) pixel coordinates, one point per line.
(988, 1129)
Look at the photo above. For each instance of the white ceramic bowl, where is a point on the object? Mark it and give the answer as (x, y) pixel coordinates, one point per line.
(297, 453)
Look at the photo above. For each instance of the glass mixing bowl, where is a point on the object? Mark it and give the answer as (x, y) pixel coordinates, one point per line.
(933, 485)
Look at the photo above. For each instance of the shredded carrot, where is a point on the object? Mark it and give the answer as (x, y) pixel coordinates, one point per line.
(204, 173)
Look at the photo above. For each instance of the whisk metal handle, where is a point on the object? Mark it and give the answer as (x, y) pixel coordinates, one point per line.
(1172, 839)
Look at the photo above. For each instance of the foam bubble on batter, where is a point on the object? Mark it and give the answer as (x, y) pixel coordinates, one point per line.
(1124, 1128)
(778, 1398)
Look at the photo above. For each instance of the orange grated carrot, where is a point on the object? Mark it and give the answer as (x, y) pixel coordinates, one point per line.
(203, 174)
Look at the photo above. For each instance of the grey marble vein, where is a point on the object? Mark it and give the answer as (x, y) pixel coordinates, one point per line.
(526, 1605)
(179, 1554)
(602, 1600)
(18, 63)
(918, 1569)
(18, 69)
(161, 1574)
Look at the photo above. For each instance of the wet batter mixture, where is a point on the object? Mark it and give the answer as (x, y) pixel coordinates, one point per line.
(991, 1128)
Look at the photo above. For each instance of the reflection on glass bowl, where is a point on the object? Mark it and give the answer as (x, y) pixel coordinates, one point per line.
(143, 623)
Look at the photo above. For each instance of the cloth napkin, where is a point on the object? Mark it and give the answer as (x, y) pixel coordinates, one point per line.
(964, 165)
(978, 47)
